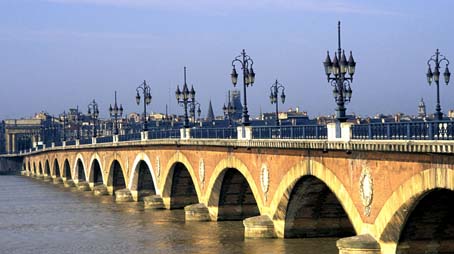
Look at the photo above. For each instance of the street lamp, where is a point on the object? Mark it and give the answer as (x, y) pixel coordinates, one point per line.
(435, 76)
(229, 110)
(93, 111)
(274, 98)
(64, 125)
(185, 97)
(339, 67)
(146, 91)
(246, 63)
(77, 123)
(116, 112)
(193, 111)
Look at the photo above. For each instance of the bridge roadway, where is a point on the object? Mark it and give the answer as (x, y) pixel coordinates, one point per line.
(382, 196)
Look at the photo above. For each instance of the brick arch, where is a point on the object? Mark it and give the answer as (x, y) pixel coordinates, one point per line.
(53, 168)
(75, 172)
(40, 168)
(109, 172)
(47, 168)
(167, 174)
(95, 156)
(212, 192)
(134, 176)
(281, 198)
(64, 174)
(396, 210)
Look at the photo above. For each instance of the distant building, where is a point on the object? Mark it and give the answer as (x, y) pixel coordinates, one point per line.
(235, 98)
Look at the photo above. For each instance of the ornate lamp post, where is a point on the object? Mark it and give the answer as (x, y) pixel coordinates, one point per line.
(64, 126)
(146, 91)
(116, 112)
(77, 123)
(339, 68)
(93, 111)
(185, 97)
(437, 59)
(274, 92)
(229, 110)
(192, 110)
(246, 63)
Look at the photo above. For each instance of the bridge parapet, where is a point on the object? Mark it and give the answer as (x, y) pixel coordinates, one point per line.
(402, 146)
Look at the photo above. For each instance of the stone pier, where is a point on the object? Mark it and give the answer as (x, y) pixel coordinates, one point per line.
(196, 212)
(360, 244)
(100, 190)
(83, 186)
(259, 227)
(123, 195)
(153, 202)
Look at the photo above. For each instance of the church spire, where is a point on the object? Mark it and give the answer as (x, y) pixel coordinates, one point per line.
(210, 115)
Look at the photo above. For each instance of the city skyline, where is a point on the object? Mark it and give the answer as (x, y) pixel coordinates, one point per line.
(58, 54)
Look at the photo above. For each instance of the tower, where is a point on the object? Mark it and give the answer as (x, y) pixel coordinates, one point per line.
(235, 98)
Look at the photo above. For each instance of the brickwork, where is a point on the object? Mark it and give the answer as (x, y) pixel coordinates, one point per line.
(398, 173)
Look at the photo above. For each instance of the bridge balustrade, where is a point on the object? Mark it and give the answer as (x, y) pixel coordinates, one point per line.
(160, 134)
(290, 132)
(129, 137)
(85, 141)
(437, 130)
(106, 139)
(219, 133)
(71, 142)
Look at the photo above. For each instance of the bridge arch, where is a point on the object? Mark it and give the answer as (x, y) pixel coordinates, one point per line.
(67, 170)
(142, 180)
(56, 168)
(116, 177)
(95, 170)
(213, 193)
(29, 169)
(34, 168)
(47, 168)
(79, 168)
(179, 168)
(40, 168)
(396, 212)
(320, 175)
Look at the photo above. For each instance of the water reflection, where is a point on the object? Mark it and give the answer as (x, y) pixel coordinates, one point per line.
(37, 217)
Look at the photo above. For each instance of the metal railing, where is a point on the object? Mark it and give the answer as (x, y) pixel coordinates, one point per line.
(106, 139)
(70, 142)
(85, 141)
(219, 133)
(129, 137)
(290, 132)
(167, 133)
(436, 130)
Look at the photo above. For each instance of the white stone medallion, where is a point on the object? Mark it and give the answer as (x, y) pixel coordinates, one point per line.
(265, 180)
(366, 191)
(202, 172)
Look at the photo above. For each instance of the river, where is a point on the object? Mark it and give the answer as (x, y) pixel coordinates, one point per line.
(38, 217)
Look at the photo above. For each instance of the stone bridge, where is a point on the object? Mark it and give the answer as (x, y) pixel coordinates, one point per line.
(381, 196)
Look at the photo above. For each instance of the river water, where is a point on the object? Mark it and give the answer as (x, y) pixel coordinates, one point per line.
(38, 217)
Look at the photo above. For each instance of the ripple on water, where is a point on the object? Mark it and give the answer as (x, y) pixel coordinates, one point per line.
(37, 217)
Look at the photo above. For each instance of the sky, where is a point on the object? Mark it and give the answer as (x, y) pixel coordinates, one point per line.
(56, 54)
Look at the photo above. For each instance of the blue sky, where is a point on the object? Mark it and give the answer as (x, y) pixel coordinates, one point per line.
(56, 54)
